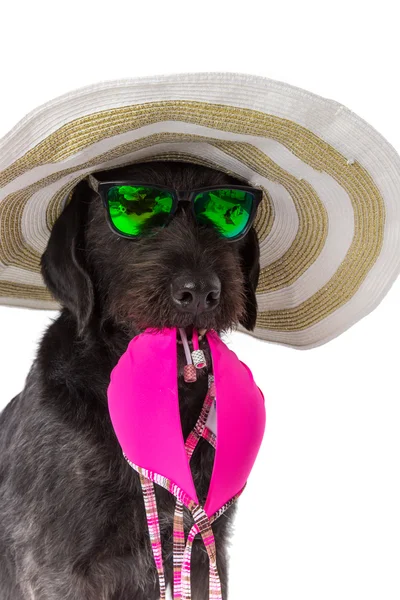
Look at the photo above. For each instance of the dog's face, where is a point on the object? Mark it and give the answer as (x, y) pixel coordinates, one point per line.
(184, 275)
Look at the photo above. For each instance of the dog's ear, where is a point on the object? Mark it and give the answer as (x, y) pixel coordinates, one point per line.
(63, 264)
(250, 256)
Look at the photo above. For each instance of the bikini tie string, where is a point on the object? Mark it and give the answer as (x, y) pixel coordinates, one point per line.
(202, 523)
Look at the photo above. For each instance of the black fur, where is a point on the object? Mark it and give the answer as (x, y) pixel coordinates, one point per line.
(72, 520)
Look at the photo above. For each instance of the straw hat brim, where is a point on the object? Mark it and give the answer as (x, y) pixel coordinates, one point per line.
(329, 224)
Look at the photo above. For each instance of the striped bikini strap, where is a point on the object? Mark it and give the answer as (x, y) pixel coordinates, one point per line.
(182, 570)
(153, 524)
(186, 590)
(202, 523)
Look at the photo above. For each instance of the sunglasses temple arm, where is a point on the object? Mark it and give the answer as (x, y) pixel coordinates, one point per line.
(94, 184)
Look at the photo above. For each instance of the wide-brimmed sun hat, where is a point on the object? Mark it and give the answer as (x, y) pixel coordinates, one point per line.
(329, 223)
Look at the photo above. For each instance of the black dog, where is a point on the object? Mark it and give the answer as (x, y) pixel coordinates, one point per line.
(72, 519)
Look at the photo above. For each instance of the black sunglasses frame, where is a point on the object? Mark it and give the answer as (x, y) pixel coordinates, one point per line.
(102, 188)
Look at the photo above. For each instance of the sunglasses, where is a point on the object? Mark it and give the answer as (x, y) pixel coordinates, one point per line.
(136, 209)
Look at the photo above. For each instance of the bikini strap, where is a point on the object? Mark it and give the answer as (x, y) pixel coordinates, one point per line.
(198, 430)
(178, 530)
(202, 523)
(186, 585)
(153, 524)
(201, 526)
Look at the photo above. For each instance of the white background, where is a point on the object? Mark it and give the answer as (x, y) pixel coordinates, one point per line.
(320, 516)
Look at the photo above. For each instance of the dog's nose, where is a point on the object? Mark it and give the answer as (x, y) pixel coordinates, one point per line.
(196, 295)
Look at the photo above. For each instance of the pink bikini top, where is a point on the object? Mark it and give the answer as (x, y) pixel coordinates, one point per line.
(144, 409)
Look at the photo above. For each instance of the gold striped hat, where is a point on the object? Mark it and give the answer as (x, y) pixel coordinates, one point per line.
(329, 224)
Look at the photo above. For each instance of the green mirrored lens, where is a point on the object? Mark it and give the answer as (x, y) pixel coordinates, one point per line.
(136, 210)
(228, 210)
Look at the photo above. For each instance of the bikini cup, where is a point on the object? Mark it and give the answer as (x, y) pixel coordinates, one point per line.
(144, 409)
